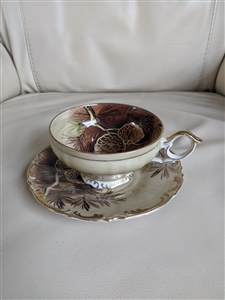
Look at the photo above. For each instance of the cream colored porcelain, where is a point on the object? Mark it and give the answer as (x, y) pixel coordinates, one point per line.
(62, 190)
(102, 141)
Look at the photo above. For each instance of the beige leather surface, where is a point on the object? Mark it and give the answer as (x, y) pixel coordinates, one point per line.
(220, 80)
(114, 46)
(10, 85)
(102, 46)
(175, 253)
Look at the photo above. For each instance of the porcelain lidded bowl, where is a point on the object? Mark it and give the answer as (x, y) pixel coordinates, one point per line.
(106, 142)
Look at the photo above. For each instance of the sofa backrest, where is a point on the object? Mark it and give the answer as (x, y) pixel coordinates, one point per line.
(105, 46)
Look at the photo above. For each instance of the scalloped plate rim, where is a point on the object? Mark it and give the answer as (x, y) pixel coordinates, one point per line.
(99, 217)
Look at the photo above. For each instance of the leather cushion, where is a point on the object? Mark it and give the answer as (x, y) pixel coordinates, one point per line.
(115, 46)
(174, 253)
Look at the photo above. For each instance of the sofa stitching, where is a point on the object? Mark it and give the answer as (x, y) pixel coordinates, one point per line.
(207, 47)
(29, 48)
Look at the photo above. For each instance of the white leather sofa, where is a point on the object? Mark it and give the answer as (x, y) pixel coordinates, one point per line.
(165, 56)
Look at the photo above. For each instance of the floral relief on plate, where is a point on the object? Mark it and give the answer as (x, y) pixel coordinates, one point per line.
(62, 190)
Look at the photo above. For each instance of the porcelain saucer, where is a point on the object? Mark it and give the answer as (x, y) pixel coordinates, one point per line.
(62, 190)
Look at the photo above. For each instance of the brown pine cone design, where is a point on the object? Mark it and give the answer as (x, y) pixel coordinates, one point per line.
(109, 143)
(131, 133)
(60, 166)
(71, 175)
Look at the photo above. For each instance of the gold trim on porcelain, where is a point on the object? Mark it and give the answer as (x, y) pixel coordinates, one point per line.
(88, 154)
(184, 133)
(133, 200)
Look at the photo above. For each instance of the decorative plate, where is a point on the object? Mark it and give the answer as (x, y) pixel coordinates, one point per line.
(62, 190)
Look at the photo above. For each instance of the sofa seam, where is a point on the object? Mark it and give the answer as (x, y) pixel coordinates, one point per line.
(207, 46)
(14, 65)
(31, 60)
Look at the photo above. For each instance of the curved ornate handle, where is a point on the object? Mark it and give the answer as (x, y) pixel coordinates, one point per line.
(167, 143)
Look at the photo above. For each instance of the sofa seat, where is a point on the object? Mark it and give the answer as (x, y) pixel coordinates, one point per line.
(179, 253)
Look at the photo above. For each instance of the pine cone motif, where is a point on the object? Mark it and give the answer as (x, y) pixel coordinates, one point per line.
(60, 166)
(62, 169)
(71, 175)
(131, 133)
(109, 143)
